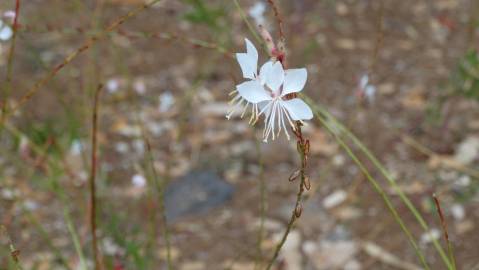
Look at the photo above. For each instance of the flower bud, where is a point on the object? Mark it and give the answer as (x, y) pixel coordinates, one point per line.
(307, 183)
(298, 147)
(294, 175)
(298, 210)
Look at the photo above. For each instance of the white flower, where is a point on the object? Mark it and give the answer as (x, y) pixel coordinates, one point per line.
(9, 14)
(138, 180)
(5, 31)
(257, 13)
(275, 106)
(112, 85)
(366, 89)
(268, 90)
(167, 100)
(249, 66)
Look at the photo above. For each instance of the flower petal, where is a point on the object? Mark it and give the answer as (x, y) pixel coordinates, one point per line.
(264, 71)
(251, 51)
(5, 33)
(275, 77)
(248, 61)
(253, 91)
(247, 64)
(294, 80)
(363, 81)
(298, 109)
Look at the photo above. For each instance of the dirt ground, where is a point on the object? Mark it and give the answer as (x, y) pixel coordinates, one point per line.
(169, 70)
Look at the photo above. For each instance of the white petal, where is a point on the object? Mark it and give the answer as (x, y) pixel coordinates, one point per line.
(247, 64)
(275, 78)
(298, 109)
(251, 51)
(363, 81)
(294, 80)
(264, 71)
(6, 33)
(253, 91)
(248, 61)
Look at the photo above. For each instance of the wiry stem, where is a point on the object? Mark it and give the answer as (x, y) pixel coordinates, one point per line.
(262, 190)
(85, 46)
(303, 146)
(93, 176)
(160, 186)
(278, 19)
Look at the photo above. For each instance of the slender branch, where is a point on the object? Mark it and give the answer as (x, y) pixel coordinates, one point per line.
(161, 195)
(93, 168)
(85, 46)
(303, 149)
(262, 190)
(8, 87)
(279, 20)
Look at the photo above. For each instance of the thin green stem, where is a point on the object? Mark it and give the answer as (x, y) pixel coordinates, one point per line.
(262, 191)
(248, 24)
(161, 199)
(338, 129)
(92, 180)
(377, 187)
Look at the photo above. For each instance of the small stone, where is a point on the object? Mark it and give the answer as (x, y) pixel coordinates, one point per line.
(334, 199)
(458, 212)
(467, 151)
(138, 181)
(195, 193)
(430, 236)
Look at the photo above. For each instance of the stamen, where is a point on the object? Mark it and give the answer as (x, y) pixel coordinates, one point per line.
(238, 104)
(284, 126)
(244, 110)
(288, 117)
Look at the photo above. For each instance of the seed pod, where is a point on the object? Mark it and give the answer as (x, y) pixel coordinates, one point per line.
(307, 183)
(306, 147)
(298, 210)
(294, 175)
(298, 146)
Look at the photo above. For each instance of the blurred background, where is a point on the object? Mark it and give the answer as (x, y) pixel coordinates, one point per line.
(166, 76)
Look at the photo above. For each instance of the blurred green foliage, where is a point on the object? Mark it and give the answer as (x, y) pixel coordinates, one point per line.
(202, 13)
(466, 78)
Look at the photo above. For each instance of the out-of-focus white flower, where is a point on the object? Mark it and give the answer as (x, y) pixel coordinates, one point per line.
(268, 90)
(139, 86)
(167, 100)
(6, 31)
(365, 89)
(76, 148)
(112, 85)
(9, 14)
(257, 12)
(138, 181)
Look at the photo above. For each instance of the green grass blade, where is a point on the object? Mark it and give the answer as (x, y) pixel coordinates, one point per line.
(325, 117)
